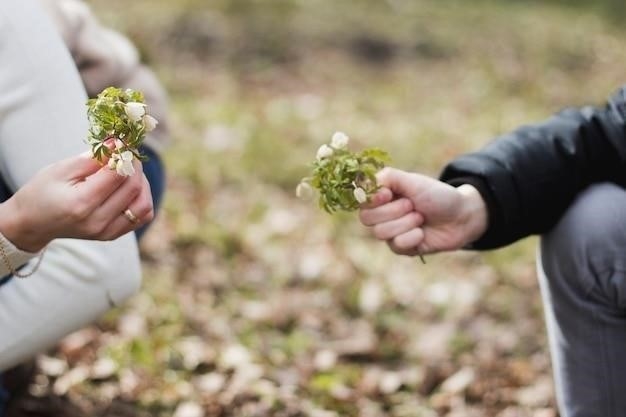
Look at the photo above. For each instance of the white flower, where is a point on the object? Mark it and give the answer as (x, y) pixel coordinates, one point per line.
(112, 164)
(339, 140)
(304, 191)
(150, 122)
(324, 152)
(135, 110)
(127, 156)
(360, 195)
(124, 165)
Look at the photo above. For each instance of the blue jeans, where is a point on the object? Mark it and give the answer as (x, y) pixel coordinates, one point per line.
(154, 171)
(582, 273)
(4, 397)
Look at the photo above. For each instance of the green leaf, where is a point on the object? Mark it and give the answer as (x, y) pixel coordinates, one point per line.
(108, 120)
(337, 176)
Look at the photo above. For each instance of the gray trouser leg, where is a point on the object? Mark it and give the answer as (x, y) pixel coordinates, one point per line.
(582, 272)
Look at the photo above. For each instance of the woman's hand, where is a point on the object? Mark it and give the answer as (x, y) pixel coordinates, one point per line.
(417, 214)
(76, 198)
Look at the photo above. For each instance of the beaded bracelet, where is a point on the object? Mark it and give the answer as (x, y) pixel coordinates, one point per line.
(7, 262)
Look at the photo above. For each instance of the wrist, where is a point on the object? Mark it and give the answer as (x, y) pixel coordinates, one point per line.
(16, 230)
(475, 214)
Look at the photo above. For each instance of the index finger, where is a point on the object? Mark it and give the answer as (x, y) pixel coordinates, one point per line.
(382, 196)
(386, 212)
(99, 186)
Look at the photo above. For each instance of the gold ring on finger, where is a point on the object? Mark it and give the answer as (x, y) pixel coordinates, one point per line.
(130, 216)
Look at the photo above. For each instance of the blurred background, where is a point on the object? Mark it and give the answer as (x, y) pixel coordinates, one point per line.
(257, 304)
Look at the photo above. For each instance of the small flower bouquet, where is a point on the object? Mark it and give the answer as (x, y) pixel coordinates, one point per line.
(344, 179)
(118, 123)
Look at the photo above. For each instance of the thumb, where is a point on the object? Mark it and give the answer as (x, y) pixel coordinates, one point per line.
(399, 182)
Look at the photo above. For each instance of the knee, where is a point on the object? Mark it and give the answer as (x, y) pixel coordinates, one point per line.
(585, 249)
(122, 275)
(113, 267)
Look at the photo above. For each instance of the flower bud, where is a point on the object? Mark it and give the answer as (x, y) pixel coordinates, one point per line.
(324, 152)
(127, 156)
(304, 191)
(135, 110)
(339, 140)
(150, 122)
(125, 168)
(124, 163)
(360, 195)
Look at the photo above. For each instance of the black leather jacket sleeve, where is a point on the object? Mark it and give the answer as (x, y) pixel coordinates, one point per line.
(530, 176)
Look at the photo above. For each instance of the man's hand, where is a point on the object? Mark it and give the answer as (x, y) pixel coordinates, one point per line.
(416, 214)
